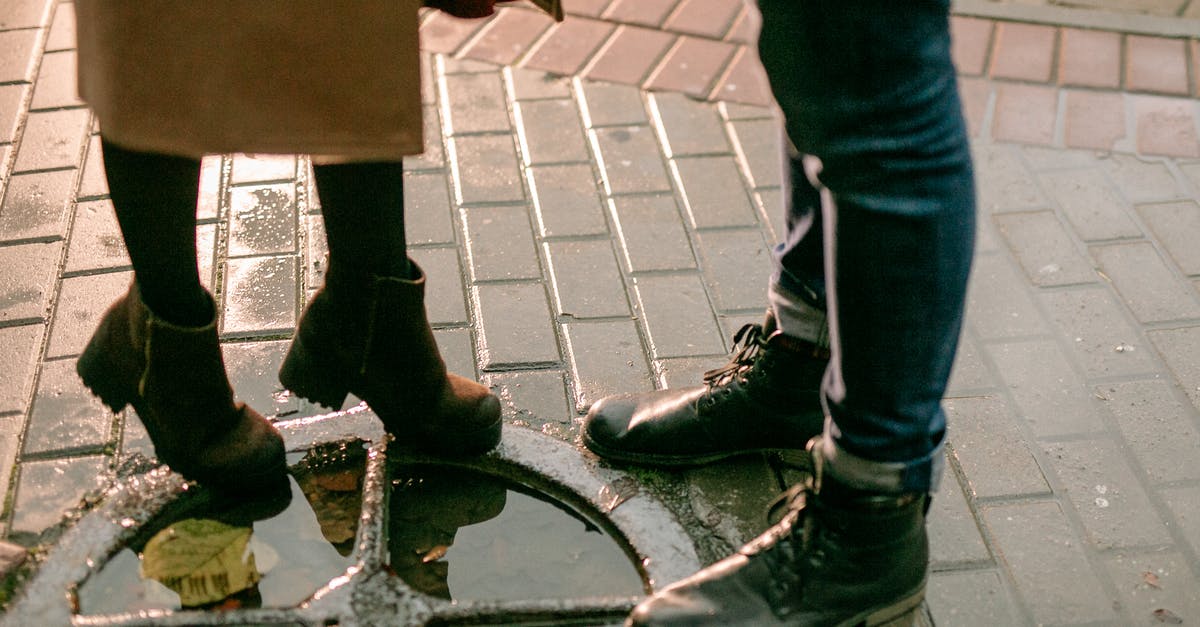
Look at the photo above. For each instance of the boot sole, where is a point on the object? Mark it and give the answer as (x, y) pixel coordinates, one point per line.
(673, 460)
(901, 613)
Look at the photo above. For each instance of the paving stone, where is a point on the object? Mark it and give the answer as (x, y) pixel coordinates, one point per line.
(1047, 562)
(56, 83)
(17, 54)
(262, 220)
(771, 203)
(606, 358)
(261, 168)
(737, 266)
(210, 195)
(1157, 427)
(689, 127)
(692, 66)
(953, 531)
(1141, 180)
(500, 243)
(1101, 338)
(1045, 249)
(445, 301)
(1023, 51)
(1149, 288)
(1184, 503)
(729, 496)
(537, 400)
(27, 275)
(975, 94)
(458, 351)
(998, 303)
(19, 349)
(567, 200)
(253, 369)
(1179, 347)
(991, 447)
(48, 489)
(1152, 581)
(445, 33)
(681, 372)
(1156, 64)
(738, 111)
(761, 142)
(745, 28)
(646, 12)
(969, 372)
(62, 29)
(1177, 226)
(12, 101)
(553, 132)
(476, 104)
(260, 296)
(970, 597)
(134, 438)
(1166, 126)
(1094, 208)
(614, 105)
(714, 192)
(508, 35)
(652, 234)
(1025, 113)
(1003, 183)
(631, 160)
(587, 279)
(517, 327)
(66, 416)
(679, 316)
(590, 8)
(206, 254)
(1090, 58)
(631, 54)
(428, 213)
(434, 156)
(24, 14)
(743, 81)
(569, 45)
(534, 85)
(703, 18)
(971, 38)
(36, 205)
(96, 241)
(1114, 509)
(81, 304)
(1051, 399)
(1044, 159)
(457, 65)
(488, 170)
(1094, 119)
(52, 139)
(12, 557)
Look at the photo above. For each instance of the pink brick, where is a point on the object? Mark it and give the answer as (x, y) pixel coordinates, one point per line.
(644, 12)
(630, 55)
(692, 66)
(1196, 63)
(508, 36)
(745, 82)
(1023, 52)
(569, 46)
(1025, 113)
(745, 28)
(972, 37)
(974, 93)
(588, 8)
(1156, 64)
(1166, 126)
(443, 33)
(1090, 58)
(704, 18)
(1094, 120)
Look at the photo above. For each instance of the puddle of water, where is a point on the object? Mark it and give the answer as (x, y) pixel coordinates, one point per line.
(208, 553)
(464, 535)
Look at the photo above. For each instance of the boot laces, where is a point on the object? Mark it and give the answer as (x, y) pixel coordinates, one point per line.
(752, 341)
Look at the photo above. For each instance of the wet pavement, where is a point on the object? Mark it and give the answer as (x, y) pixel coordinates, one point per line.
(592, 198)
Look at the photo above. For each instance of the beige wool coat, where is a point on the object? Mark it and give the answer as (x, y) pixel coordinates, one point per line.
(332, 78)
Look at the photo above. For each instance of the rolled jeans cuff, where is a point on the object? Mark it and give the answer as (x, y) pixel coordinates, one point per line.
(917, 475)
(795, 315)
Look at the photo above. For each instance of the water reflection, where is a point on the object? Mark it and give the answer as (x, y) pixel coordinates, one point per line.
(464, 535)
(210, 552)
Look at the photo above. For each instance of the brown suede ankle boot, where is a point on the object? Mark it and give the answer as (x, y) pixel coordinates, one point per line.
(175, 379)
(371, 337)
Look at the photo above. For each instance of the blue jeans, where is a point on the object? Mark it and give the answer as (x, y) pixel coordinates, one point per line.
(883, 175)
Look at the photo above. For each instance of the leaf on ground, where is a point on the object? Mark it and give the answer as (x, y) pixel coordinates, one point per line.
(203, 561)
(1167, 616)
(1151, 579)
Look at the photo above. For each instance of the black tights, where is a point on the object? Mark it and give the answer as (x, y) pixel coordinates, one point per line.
(154, 196)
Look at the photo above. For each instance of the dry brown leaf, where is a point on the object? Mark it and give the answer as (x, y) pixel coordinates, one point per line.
(1163, 615)
(1151, 579)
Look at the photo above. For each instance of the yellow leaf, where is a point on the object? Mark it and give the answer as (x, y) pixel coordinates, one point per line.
(203, 561)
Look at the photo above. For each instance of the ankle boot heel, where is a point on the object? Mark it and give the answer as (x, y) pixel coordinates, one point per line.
(97, 370)
(298, 374)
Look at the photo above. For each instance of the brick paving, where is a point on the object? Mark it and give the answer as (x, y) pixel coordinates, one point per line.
(588, 209)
